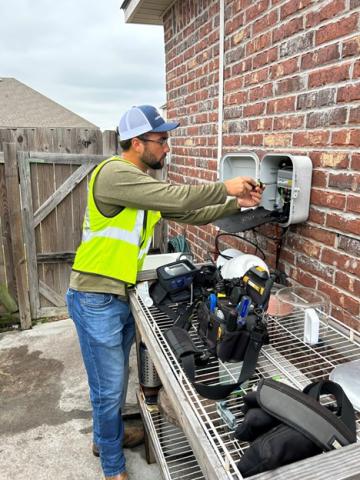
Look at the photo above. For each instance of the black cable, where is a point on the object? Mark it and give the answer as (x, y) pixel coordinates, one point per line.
(240, 238)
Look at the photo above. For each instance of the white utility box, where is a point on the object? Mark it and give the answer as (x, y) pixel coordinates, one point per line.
(286, 198)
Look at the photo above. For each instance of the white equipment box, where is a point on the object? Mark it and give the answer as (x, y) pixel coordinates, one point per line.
(287, 180)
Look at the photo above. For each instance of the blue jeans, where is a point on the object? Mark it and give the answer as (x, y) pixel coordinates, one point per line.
(106, 330)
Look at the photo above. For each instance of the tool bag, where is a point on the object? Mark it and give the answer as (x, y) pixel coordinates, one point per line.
(287, 425)
(188, 356)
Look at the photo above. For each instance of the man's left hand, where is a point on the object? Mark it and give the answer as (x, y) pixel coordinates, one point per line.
(252, 199)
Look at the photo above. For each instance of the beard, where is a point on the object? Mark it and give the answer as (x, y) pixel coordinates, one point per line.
(151, 161)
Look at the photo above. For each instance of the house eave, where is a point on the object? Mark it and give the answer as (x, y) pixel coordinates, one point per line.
(145, 11)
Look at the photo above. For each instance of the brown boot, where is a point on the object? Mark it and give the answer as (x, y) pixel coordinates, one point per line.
(120, 476)
(133, 436)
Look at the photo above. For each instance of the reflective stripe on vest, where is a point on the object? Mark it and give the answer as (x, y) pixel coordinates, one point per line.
(118, 233)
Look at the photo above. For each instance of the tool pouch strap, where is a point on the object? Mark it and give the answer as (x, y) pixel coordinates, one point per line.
(187, 354)
(304, 413)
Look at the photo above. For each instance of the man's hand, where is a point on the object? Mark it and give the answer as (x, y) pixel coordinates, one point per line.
(240, 186)
(252, 199)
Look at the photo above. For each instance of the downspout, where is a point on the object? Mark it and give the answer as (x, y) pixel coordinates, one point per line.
(221, 84)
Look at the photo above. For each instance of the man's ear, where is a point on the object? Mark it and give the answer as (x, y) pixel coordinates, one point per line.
(136, 144)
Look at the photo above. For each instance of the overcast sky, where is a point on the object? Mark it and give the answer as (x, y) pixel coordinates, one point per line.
(81, 54)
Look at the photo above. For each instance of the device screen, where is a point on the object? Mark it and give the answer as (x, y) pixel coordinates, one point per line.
(178, 269)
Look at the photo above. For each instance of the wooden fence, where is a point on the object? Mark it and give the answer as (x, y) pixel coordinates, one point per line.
(43, 198)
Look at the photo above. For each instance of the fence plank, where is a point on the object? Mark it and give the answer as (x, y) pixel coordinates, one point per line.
(29, 231)
(12, 187)
(51, 295)
(62, 192)
(9, 276)
(65, 159)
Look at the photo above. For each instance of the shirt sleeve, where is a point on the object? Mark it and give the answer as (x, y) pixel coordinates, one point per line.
(204, 215)
(120, 184)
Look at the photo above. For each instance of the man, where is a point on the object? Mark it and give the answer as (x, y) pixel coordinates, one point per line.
(124, 205)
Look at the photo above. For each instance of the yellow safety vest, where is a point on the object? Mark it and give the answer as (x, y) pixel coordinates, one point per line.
(116, 246)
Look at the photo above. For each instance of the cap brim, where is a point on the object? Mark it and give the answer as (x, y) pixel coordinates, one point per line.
(165, 127)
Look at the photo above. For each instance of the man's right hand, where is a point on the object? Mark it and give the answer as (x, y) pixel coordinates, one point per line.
(239, 186)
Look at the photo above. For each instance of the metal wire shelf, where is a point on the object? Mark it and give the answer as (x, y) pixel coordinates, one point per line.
(171, 447)
(287, 358)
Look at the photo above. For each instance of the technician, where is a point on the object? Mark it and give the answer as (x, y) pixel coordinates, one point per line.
(124, 204)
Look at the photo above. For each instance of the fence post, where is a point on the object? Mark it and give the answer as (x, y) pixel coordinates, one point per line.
(17, 243)
(110, 143)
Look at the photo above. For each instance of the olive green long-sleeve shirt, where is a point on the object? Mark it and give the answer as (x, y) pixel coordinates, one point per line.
(120, 184)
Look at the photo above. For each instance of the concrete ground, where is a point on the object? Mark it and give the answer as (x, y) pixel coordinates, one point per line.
(45, 414)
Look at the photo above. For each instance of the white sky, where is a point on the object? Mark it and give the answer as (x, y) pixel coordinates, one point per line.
(81, 54)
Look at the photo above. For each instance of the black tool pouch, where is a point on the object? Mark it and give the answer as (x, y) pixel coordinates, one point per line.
(232, 346)
(228, 346)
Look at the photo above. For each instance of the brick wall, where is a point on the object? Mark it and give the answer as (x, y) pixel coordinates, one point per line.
(292, 84)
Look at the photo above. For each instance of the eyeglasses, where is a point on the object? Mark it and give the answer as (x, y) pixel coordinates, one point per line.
(162, 141)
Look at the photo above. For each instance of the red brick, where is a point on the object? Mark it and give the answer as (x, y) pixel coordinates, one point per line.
(303, 245)
(318, 234)
(293, 6)
(336, 116)
(341, 261)
(287, 29)
(254, 140)
(328, 11)
(355, 161)
(305, 139)
(289, 122)
(281, 105)
(340, 298)
(260, 124)
(319, 179)
(259, 43)
(287, 255)
(278, 140)
(316, 216)
(238, 98)
(254, 110)
(256, 10)
(356, 72)
(231, 140)
(348, 283)
(314, 267)
(317, 99)
(343, 222)
(351, 47)
(338, 29)
(256, 77)
(330, 159)
(265, 22)
(242, 67)
(305, 279)
(265, 58)
(349, 93)
(258, 93)
(289, 85)
(329, 75)
(354, 116)
(346, 138)
(349, 245)
(320, 57)
(353, 204)
(345, 181)
(287, 67)
(328, 199)
(346, 318)
(234, 84)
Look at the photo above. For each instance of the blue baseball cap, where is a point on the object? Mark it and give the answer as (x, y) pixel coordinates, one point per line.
(143, 119)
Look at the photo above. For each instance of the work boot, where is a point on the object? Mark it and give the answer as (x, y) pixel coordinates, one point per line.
(133, 436)
(120, 476)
